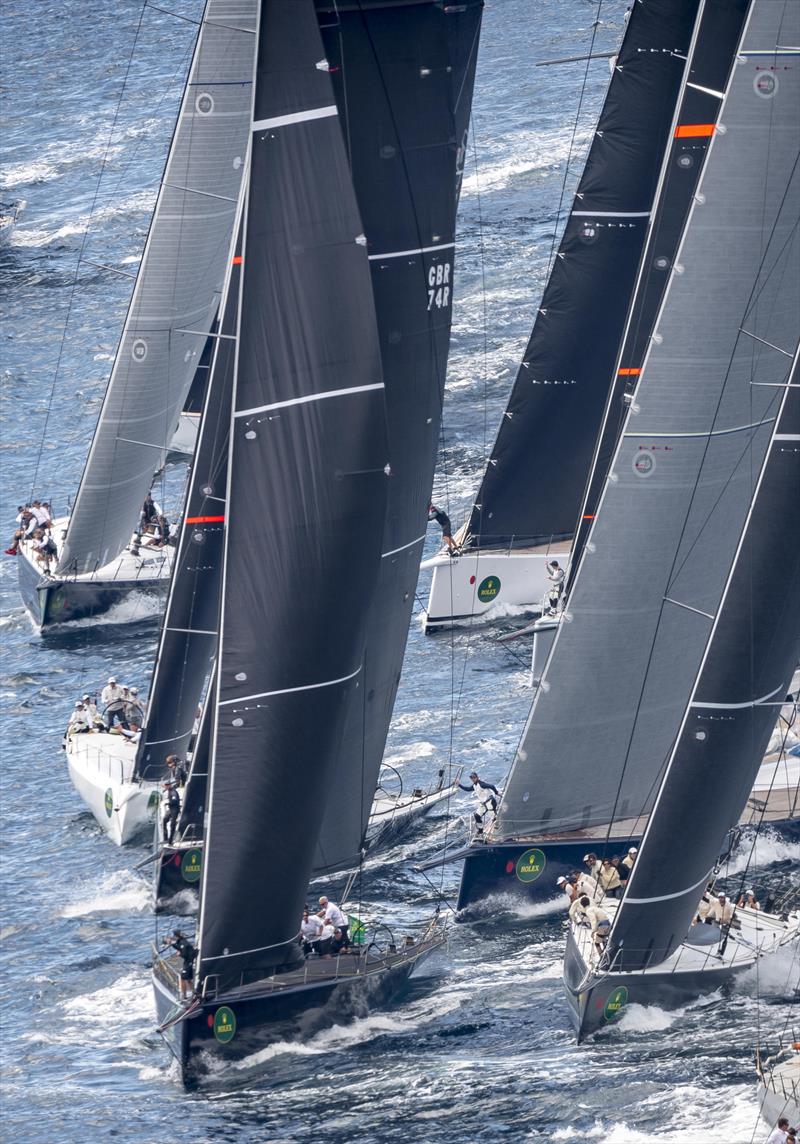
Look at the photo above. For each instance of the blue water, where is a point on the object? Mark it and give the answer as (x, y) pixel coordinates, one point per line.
(482, 1047)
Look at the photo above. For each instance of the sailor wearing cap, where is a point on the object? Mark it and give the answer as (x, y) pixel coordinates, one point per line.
(749, 899)
(112, 698)
(79, 720)
(487, 797)
(176, 770)
(566, 887)
(630, 858)
(720, 911)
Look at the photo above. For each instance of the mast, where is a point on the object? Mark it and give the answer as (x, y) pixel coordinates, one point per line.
(177, 290)
(188, 642)
(403, 83)
(705, 79)
(748, 667)
(533, 485)
(667, 530)
(306, 488)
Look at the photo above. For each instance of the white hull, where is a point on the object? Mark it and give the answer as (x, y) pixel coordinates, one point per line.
(101, 769)
(468, 586)
(394, 813)
(779, 1087)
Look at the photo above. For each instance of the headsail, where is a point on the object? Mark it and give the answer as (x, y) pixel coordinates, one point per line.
(403, 86)
(188, 642)
(533, 485)
(706, 78)
(177, 290)
(306, 489)
(660, 551)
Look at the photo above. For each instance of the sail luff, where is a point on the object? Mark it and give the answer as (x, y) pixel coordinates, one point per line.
(529, 493)
(176, 294)
(660, 548)
(747, 668)
(189, 629)
(306, 486)
(711, 56)
(404, 77)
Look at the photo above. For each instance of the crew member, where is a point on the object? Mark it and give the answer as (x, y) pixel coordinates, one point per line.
(720, 911)
(555, 574)
(330, 913)
(487, 796)
(113, 699)
(311, 932)
(608, 878)
(184, 948)
(749, 899)
(177, 771)
(443, 520)
(79, 720)
(172, 809)
(630, 858)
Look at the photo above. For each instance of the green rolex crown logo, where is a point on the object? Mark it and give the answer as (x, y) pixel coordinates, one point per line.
(530, 865)
(615, 1003)
(224, 1024)
(192, 865)
(488, 589)
(109, 801)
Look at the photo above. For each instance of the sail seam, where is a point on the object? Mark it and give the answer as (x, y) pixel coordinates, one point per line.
(739, 706)
(193, 631)
(668, 897)
(403, 547)
(296, 117)
(709, 433)
(707, 90)
(309, 397)
(419, 250)
(688, 607)
(764, 342)
(290, 690)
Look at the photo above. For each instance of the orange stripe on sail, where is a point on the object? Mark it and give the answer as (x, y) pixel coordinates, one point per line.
(693, 130)
(629, 372)
(237, 261)
(589, 516)
(205, 519)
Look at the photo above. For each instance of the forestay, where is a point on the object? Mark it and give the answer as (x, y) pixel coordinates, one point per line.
(533, 485)
(403, 83)
(660, 551)
(306, 489)
(177, 290)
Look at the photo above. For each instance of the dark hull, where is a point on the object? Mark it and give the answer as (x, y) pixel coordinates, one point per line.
(494, 870)
(177, 880)
(50, 602)
(604, 999)
(266, 1016)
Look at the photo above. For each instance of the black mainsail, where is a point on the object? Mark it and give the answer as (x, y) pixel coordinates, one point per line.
(306, 487)
(177, 291)
(188, 642)
(403, 77)
(532, 488)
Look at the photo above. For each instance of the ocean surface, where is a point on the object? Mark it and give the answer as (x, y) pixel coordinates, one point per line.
(481, 1049)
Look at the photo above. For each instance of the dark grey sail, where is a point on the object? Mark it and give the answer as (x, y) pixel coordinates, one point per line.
(403, 78)
(177, 290)
(306, 490)
(712, 56)
(660, 551)
(195, 795)
(189, 631)
(748, 667)
(533, 485)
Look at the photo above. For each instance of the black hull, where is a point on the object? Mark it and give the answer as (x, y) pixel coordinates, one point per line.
(604, 999)
(495, 870)
(207, 1038)
(50, 602)
(176, 888)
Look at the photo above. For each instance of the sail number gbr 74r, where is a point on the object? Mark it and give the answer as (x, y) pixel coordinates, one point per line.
(439, 285)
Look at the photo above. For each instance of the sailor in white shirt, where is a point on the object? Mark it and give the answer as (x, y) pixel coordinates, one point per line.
(331, 913)
(311, 931)
(780, 1134)
(79, 720)
(112, 698)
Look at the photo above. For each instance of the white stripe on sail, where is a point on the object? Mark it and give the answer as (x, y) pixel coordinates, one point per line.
(667, 897)
(296, 117)
(611, 214)
(309, 397)
(419, 250)
(403, 547)
(710, 433)
(738, 706)
(707, 90)
(290, 690)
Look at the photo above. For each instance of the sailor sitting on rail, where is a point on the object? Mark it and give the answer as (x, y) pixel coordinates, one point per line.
(311, 931)
(79, 721)
(487, 796)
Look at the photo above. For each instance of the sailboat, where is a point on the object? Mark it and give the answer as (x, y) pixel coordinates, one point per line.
(530, 496)
(779, 1082)
(308, 462)
(174, 303)
(713, 455)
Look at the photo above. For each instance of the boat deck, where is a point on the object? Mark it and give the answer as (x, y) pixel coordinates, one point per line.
(151, 564)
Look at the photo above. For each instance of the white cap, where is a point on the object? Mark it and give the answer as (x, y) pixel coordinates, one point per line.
(633, 850)
(560, 881)
(79, 704)
(86, 698)
(112, 679)
(720, 894)
(133, 690)
(750, 893)
(586, 857)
